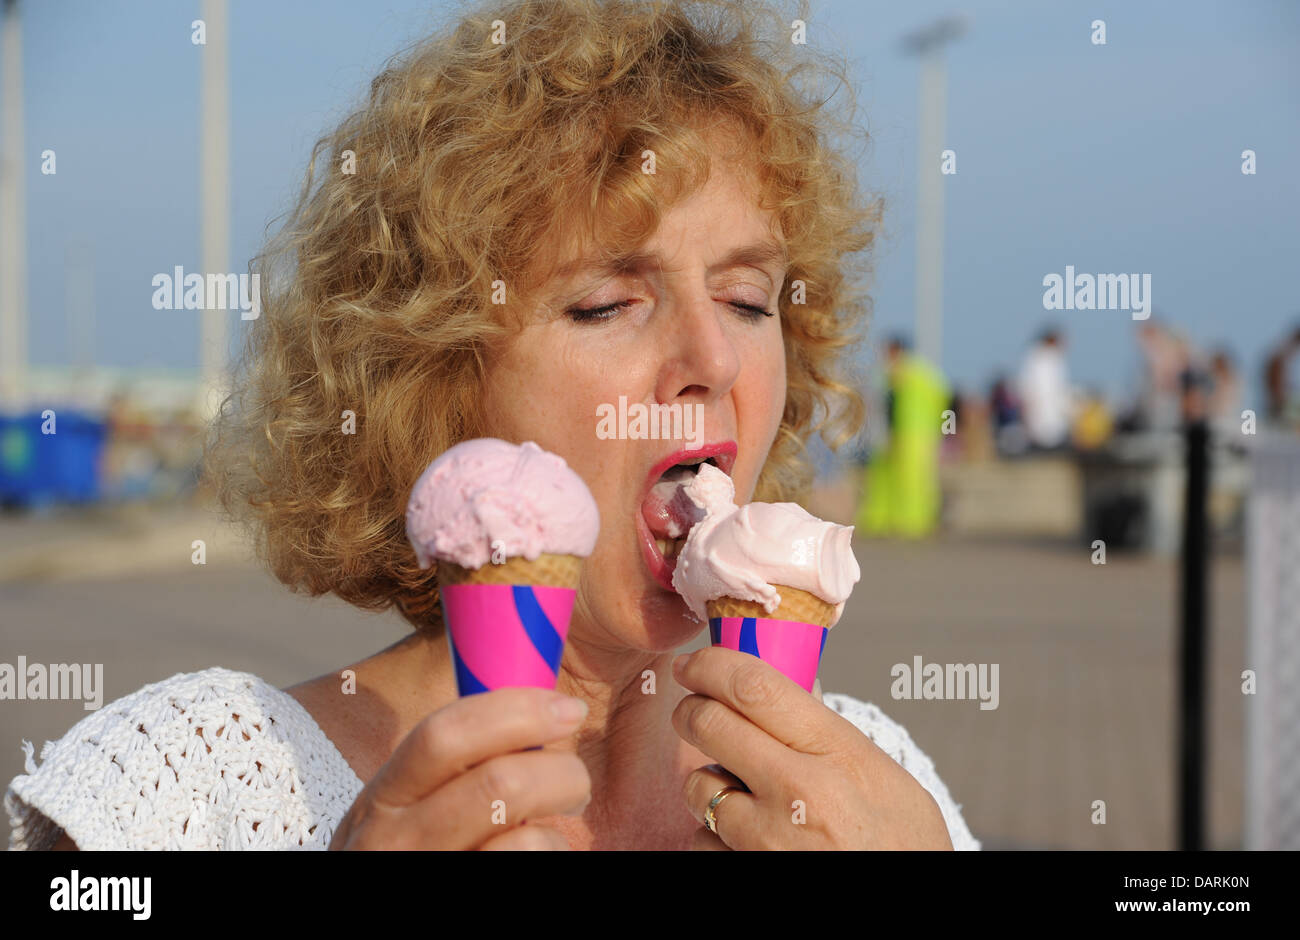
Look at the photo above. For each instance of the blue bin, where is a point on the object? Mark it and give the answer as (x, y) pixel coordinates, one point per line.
(20, 455)
(78, 457)
(38, 469)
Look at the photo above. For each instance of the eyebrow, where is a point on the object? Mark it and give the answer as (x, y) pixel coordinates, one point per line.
(758, 254)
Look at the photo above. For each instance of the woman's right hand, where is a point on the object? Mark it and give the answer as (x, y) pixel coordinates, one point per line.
(440, 787)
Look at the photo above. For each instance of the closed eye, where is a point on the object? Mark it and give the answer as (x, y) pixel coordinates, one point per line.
(753, 311)
(591, 314)
(607, 312)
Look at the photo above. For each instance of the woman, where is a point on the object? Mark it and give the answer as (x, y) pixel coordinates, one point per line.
(528, 220)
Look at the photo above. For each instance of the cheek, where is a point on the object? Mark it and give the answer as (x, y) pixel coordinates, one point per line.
(762, 405)
(543, 388)
(533, 384)
(778, 384)
(772, 367)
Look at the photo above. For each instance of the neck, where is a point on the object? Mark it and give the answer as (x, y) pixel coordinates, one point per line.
(627, 742)
(630, 695)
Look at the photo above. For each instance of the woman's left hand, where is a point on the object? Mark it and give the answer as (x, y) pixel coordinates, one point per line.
(815, 781)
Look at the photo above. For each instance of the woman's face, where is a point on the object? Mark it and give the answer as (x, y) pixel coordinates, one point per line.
(676, 338)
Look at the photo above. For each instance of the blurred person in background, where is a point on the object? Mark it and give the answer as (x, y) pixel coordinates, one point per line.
(952, 444)
(1196, 385)
(974, 426)
(1093, 424)
(1280, 382)
(1004, 412)
(901, 484)
(875, 429)
(1164, 359)
(1225, 394)
(129, 464)
(1044, 386)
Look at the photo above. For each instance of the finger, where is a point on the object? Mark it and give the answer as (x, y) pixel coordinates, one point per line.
(720, 776)
(736, 816)
(529, 838)
(705, 841)
(765, 764)
(504, 792)
(757, 690)
(465, 733)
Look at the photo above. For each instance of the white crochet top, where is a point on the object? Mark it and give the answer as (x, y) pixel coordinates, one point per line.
(223, 760)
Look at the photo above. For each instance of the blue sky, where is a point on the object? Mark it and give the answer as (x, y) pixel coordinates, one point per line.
(1115, 158)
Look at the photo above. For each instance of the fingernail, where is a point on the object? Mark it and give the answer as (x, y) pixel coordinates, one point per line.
(569, 709)
(679, 662)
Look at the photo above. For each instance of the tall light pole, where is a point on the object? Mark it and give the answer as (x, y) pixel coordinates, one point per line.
(13, 228)
(214, 199)
(928, 44)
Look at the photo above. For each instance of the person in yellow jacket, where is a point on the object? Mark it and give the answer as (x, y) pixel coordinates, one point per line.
(901, 484)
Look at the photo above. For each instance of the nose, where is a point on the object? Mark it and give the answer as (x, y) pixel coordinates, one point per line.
(702, 361)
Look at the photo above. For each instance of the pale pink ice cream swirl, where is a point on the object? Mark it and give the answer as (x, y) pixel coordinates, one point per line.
(743, 551)
(487, 496)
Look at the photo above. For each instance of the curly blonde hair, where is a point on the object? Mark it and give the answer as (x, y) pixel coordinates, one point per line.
(377, 292)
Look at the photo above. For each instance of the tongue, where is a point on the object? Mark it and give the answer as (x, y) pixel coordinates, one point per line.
(668, 511)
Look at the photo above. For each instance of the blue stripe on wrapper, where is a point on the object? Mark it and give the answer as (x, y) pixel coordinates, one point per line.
(793, 647)
(539, 629)
(547, 641)
(466, 681)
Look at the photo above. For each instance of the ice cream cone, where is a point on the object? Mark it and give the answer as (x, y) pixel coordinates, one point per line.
(487, 499)
(790, 638)
(545, 569)
(507, 623)
(795, 605)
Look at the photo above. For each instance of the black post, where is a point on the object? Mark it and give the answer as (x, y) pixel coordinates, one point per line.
(1193, 589)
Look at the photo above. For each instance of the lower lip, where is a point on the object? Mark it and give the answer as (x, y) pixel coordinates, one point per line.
(661, 568)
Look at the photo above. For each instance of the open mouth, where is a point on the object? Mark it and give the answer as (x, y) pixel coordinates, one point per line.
(667, 513)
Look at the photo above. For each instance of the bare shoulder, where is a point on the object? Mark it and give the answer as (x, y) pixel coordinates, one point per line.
(314, 694)
(352, 715)
(368, 707)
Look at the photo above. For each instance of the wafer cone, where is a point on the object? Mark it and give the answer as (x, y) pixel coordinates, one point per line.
(507, 624)
(545, 569)
(795, 605)
(790, 638)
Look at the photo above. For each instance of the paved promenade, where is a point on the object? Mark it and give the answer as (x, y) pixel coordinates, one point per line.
(1085, 656)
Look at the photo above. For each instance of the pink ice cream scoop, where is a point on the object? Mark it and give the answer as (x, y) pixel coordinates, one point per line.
(488, 496)
(742, 552)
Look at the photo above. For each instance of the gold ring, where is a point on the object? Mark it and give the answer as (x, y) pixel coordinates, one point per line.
(710, 819)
